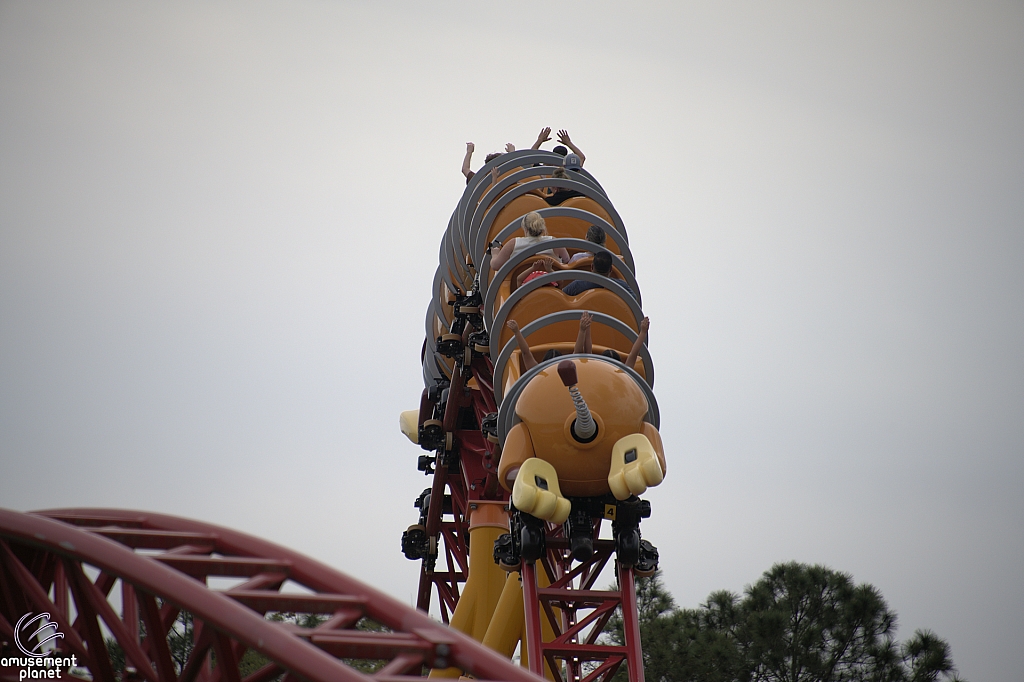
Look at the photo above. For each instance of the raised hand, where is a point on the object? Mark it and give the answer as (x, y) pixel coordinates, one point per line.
(544, 136)
(511, 324)
(470, 147)
(585, 319)
(645, 324)
(509, 147)
(563, 137)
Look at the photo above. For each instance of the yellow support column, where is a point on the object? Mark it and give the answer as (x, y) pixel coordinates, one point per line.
(508, 624)
(506, 628)
(485, 582)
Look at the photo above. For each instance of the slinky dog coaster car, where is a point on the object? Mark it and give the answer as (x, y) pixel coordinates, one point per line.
(582, 433)
(535, 443)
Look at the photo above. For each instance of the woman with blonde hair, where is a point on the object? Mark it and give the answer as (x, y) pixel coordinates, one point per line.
(536, 231)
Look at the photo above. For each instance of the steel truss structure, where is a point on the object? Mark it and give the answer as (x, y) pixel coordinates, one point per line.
(577, 615)
(117, 580)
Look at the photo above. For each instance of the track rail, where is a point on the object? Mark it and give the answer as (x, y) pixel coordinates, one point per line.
(108, 575)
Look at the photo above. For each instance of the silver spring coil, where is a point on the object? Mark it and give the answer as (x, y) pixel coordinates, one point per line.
(585, 427)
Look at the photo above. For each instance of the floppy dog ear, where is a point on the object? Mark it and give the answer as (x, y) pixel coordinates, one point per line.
(517, 449)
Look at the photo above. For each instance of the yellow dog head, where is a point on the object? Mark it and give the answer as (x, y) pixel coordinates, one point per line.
(585, 417)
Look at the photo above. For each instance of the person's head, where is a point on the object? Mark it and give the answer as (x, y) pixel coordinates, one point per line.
(560, 150)
(603, 263)
(490, 157)
(533, 225)
(596, 235)
(572, 162)
(560, 173)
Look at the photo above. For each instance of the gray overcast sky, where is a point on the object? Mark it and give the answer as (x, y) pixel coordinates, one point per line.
(219, 224)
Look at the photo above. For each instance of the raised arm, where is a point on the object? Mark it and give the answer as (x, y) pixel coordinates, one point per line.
(544, 136)
(641, 339)
(466, 170)
(563, 137)
(584, 344)
(529, 362)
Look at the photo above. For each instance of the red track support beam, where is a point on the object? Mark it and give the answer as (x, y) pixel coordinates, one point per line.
(534, 643)
(631, 624)
(38, 554)
(577, 614)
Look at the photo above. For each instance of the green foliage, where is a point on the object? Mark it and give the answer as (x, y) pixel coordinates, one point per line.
(181, 642)
(368, 666)
(927, 657)
(116, 654)
(655, 608)
(252, 660)
(809, 623)
(181, 639)
(798, 623)
(303, 620)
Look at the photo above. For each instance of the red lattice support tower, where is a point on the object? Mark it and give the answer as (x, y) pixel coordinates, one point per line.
(577, 613)
(67, 563)
(472, 479)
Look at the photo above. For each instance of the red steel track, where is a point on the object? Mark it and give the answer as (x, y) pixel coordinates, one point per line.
(67, 562)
